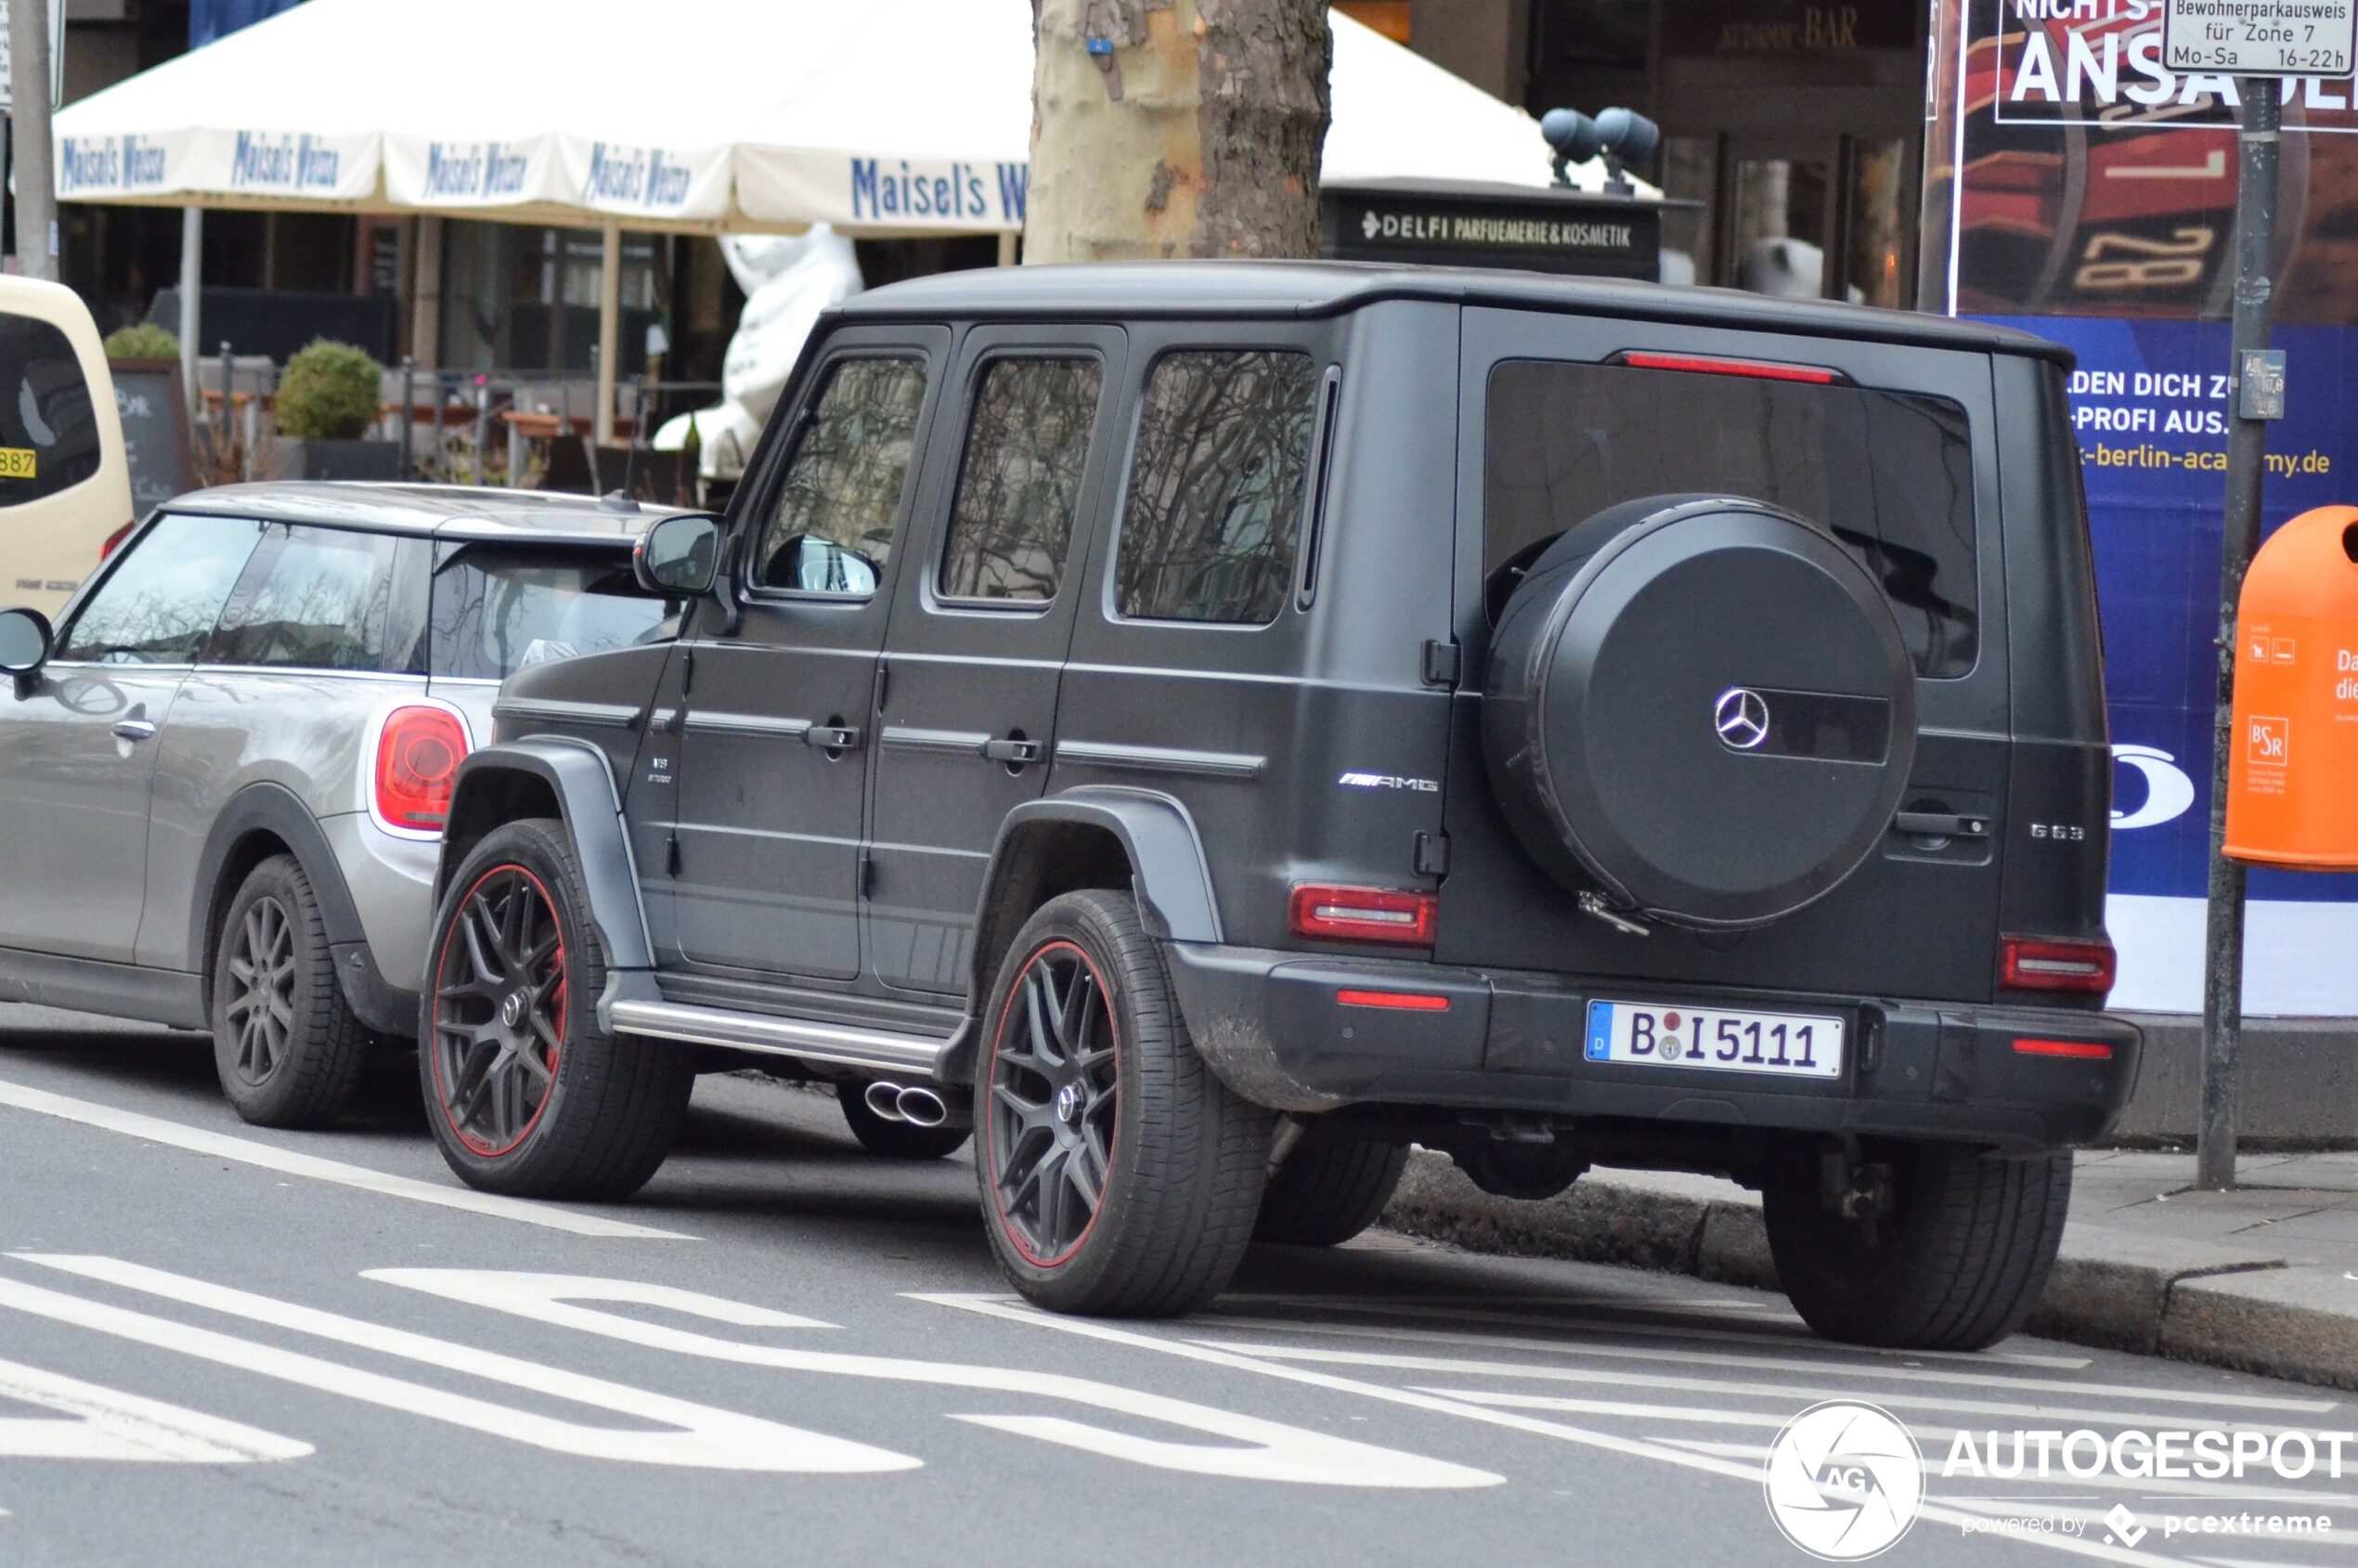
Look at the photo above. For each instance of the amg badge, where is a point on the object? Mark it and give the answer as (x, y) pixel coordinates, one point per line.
(1388, 781)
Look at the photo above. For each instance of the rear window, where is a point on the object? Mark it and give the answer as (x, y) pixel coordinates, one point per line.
(49, 433)
(497, 610)
(1888, 473)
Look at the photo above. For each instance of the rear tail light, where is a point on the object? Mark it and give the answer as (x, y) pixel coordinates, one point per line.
(1363, 915)
(114, 540)
(2055, 964)
(418, 755)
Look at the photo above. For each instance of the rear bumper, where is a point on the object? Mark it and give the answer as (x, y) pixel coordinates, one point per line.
(1274, 1027)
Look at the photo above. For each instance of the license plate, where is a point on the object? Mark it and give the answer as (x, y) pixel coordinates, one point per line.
(1652, 1034)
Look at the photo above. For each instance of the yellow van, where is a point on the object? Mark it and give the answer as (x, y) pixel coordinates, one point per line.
(65, 486)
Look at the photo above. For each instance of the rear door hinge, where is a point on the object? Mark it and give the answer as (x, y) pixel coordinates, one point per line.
(1433, 854)
(687, 670)
(867, 874)
(671, 854)
(1442, 663)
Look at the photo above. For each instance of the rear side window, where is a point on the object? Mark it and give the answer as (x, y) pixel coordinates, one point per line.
(832, 529)
(164, 597)
(1020, 483)
(324, 600)
(49, 433)
(1890, 473)
(1214, 507)
(497, 610)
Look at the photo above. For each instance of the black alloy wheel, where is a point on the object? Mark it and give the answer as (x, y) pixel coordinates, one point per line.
(1119, 1177)
(499, 1011)
(526, 1092)
(1055, 1087)
(259, 999)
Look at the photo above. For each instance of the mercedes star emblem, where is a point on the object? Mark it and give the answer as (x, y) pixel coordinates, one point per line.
(1741, 719)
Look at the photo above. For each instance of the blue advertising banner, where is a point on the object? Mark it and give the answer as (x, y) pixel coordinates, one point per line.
(2150, 402)
(2076, 187)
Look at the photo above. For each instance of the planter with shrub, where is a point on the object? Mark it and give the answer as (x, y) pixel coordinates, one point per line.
(328, 399)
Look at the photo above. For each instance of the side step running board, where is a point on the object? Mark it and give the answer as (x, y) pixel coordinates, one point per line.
(875, 1050)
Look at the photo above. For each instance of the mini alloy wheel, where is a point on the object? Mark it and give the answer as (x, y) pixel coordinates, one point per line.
(286, 1045)
(1054, 1099)
(259, 1002)
(499, 1011)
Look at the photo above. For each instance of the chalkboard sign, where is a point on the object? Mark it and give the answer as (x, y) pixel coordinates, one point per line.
(155, 431)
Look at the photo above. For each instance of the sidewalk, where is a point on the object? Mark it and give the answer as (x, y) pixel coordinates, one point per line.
(2264, 1279)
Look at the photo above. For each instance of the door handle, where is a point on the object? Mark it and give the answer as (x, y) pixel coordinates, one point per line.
(1940, 824)
(833, 737)
(133, 729)
(1017, 753)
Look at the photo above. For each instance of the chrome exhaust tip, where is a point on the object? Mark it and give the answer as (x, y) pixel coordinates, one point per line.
(924, 1107)
(883, 1101)
(921, 1107)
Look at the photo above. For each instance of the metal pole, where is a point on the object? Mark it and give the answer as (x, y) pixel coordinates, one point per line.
(191, 294)
(29, 97)
(2246, 449)
(483, 428)
(408, 412)
(609, 331)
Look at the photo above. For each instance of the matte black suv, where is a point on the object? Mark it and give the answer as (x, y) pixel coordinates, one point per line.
(1205, 726)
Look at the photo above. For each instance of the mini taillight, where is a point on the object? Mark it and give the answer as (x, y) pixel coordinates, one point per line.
(1363, 915)
(1758, 370)
(114, 540)
(2057, 964)
(2088, 1050)
(418, 755)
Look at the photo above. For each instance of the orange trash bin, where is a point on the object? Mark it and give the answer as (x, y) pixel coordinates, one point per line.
(2292, 779)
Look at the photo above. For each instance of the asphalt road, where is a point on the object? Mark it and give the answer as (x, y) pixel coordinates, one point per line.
(225, 1345)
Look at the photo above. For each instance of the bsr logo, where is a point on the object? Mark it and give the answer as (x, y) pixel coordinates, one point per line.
(2268, 741)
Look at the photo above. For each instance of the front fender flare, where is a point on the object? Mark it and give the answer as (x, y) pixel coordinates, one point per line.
(578, 774)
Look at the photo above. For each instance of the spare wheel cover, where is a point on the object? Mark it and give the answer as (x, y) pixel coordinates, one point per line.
(1712, 711)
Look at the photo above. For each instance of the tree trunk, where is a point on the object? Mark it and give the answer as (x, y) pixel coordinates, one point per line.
(1194, 131)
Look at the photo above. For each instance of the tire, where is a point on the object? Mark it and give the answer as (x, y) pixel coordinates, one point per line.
(895, 1140)
(1957, 1265)
(1086, 1070)
(525, 1094)
(1326, 1193)
(287, 1046)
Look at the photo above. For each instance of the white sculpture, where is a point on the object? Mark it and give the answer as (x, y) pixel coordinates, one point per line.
(787, 280)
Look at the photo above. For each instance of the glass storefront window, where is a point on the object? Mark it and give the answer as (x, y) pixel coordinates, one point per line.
(516, 298)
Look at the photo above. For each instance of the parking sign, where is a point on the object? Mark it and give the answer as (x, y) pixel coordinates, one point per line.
(2261, 37)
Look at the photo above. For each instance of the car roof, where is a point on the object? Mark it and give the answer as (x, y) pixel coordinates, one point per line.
(453, 511)
(1115, 290)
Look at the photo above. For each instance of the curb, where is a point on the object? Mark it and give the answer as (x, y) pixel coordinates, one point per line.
(2222, 1306)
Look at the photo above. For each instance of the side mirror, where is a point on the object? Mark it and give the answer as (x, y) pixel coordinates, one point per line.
(678, 556)
(26, 638)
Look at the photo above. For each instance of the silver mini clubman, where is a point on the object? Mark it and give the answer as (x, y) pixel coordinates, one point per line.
(223, 772)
